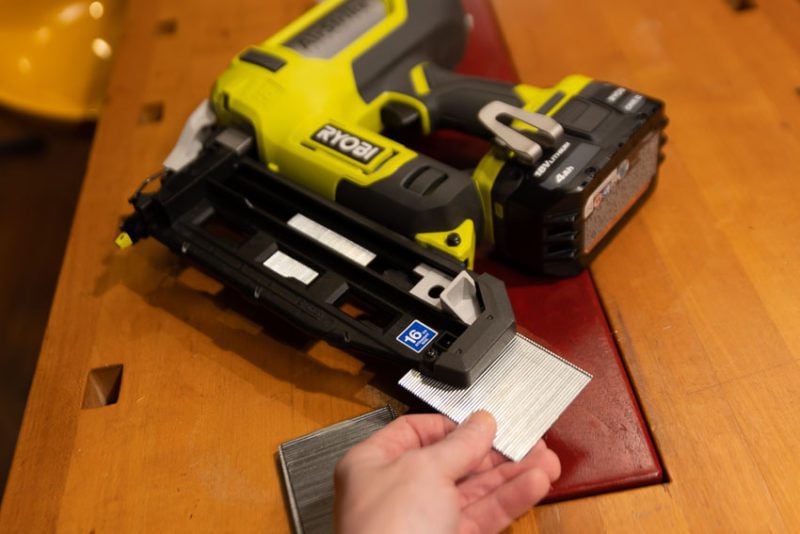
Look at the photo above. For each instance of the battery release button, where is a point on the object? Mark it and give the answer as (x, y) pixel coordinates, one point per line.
(581, 116)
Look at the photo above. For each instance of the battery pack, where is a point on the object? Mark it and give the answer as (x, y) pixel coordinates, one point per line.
(554, 216)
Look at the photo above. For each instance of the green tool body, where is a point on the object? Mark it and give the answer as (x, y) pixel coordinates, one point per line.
(322, 96)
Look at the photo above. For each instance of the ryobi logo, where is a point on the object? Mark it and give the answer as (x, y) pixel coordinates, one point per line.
(346, 143)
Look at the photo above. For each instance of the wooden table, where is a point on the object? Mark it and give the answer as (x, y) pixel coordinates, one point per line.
(701, 289)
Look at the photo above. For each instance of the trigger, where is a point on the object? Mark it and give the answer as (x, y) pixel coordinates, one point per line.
(398, 116)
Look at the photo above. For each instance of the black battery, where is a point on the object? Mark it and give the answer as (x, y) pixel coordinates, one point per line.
(554, 216)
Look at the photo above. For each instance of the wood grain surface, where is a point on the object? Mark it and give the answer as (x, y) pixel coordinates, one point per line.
(701, 288)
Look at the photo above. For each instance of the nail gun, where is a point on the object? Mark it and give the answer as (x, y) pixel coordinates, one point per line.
(309, 115)
(323, 97)
(316, 103)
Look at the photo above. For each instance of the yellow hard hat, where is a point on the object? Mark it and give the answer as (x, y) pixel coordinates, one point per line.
(55, 55)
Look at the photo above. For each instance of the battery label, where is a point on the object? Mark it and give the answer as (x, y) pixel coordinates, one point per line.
(417, 335)
(619, 191)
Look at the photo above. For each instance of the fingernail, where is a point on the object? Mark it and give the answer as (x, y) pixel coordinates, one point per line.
(481, 418)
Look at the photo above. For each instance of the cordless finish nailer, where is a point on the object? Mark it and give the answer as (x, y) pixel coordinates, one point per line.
(288, 183)
(572, 159)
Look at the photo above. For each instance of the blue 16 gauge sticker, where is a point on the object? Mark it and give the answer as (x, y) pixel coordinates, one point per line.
(416, 336)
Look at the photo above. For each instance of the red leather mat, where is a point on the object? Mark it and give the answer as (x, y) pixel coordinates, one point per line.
(601, 439)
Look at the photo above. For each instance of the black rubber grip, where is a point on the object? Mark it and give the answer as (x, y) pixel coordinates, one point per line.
(455, 100)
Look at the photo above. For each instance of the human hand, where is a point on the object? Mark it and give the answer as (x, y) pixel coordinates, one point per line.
(423, 473)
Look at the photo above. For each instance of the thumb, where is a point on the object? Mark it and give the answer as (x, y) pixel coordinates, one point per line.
(463, 449)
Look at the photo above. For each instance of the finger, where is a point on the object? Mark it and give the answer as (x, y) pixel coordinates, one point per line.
(550, 464)
(463, 449)
(539, 457)
(494, 458)
(497, 510)
(405, 433)
(479, 485)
